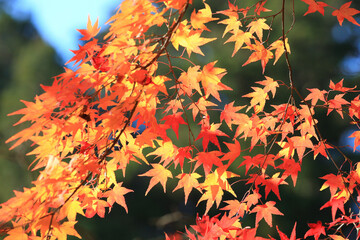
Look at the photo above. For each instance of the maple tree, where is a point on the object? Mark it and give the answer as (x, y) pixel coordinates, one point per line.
(117, 107)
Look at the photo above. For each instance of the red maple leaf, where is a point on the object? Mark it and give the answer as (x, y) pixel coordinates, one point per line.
(234, 152)
(209, 133)
(316, 229)
(339, 86)
(174, 121)
(336, 104)
(291, 168)
(315, 6)
(345, 12)
(208, 159)
(335, 204)
(284, 237)
(229, 114)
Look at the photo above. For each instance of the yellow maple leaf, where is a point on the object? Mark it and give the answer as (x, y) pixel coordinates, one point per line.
(188, 181)
(240, 38)
(189, 39)
(201, 17)
(158, 174)
(258, 26)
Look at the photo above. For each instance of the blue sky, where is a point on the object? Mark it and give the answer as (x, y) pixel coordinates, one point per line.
(57, 21)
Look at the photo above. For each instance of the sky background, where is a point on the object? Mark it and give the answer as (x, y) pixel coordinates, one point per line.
(57, 21)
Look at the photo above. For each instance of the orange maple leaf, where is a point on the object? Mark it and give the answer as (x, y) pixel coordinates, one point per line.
(260, 53)
(336, 104)
(188, 181)
(345, 12)
(265, 212)
(117, 195)
(230, 115)
(203, 16)
(315, 6)
(279, 48)
(315, 95)
(235, 208)
(158, 174)
(90, 31)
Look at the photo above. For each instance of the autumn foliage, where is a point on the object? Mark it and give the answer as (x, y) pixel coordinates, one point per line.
(85, 127)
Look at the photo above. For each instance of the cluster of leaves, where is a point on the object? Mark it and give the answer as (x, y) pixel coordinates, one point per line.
(86, 125)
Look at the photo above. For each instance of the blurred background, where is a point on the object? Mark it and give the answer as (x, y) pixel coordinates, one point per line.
(35, 38)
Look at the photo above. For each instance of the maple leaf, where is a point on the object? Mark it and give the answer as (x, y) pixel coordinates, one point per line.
(336, 104)
(182, 153)
(258, 99)
(260, 8)
(234, 152)
(356, 135)
(265, 212)
(316, 229)
(345, 12)
(201, 106)
(301, 143)
(260, 53)
(214, 185)
(334, 182)
(201, 17)
(291, 168)
(315, 6)
(90, 31)
(240, 38)
(232, 24)
(315, 95)
(229, 114)
(284, 237)
(174, 121)
(335, 204)
(117, 195)
(72, 209)
(190, 80)
(208, 159)
(339, 86)
(278, 45)
(158, 174)
(166, 150)
(272, 184)
(189, 39)
(210, 134)
(188, 181)
(258, 27)
(321, 148)
(211, 80)
(269, 85)
(17, 233)
(260, 160)
(337, 237)
(235, 208)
